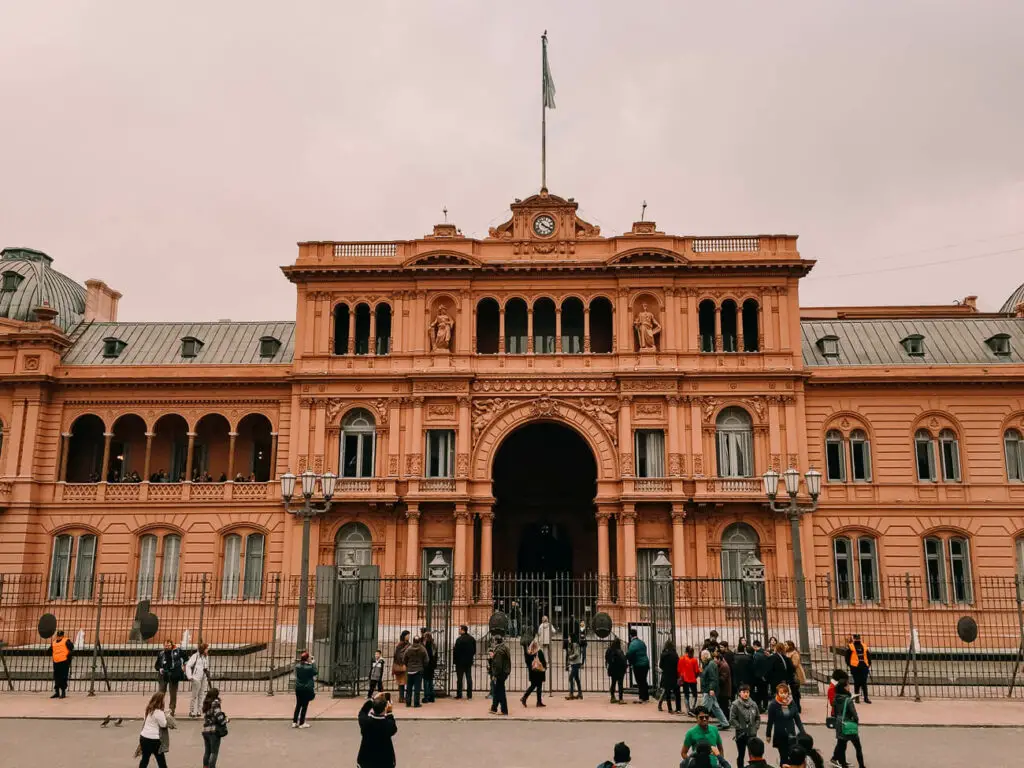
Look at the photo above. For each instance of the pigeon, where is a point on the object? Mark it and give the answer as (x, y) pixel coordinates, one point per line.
(106, 722)
(118, 723)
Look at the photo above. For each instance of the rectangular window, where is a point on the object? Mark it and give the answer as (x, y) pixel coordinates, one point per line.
(84, 567)
(950, 460)
(835, 461)
(253, 588)
(440, 453)
(59, 568)
(925, 449)
(169, 574)
(960, 570)
(867, 563)
(844, 574)
(650, 453)
(860, 458)
(232, 566)
(935, 570)
(147, 567)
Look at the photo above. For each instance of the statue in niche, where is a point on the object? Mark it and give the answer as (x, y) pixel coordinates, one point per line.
(647, 329)
(441, 331)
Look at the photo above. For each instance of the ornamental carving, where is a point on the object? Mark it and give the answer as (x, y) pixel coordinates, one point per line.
(543, 406)
(626, 464)
(462, 465)
(438, 386)
(792, 459)
(605, 412)
(381, 405)
(413, 465)
(698, 465)
(649, 409)
(674, 465)
(484, 412)
(757, 404)
(775, 462)
(440, 410)
(645, 385)
(440, 330)
(393, 465)
(544, 385)
(708, 406)
(334, 406)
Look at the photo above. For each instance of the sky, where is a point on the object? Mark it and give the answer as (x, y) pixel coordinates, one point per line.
(179, 151)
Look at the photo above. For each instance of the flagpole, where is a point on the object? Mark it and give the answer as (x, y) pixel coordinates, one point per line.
(543, 116)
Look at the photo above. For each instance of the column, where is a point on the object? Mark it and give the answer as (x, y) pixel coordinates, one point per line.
(273, 456)
(586, 328)
(459, 570)
(692, 334)
(415, 439)
(231, 454)
(351, 330)
(604, 567)
(188, 458)
(626, 436)
(149, 452)
(761, 338)
(558, 329)
(107, 437)
(718, 327)
(627, 517)
(501, 329)
(739, 327)
(65, 445)
(462, 439)
(678, 540)
(674, 459)
(529, 329)
(486, 555)
(412, 540)
(373, 331)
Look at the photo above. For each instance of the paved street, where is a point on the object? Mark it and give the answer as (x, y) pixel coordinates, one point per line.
(496, 744)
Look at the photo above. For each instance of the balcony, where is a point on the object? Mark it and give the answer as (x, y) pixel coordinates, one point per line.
(729, 489)
(365, 489)
(134, 493)
(651, 488)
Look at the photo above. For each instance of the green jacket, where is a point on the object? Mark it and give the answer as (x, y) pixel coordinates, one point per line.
(636, 654)
(709, 678)
(696, 735)
(305, 674)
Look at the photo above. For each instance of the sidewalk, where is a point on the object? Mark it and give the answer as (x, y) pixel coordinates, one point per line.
(254, 706)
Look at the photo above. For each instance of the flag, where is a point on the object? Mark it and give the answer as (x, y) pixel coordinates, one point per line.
(548, 82)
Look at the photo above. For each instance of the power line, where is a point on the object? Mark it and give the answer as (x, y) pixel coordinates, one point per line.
(922, 264)
(945, 247)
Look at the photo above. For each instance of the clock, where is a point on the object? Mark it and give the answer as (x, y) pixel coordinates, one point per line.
(544, 225)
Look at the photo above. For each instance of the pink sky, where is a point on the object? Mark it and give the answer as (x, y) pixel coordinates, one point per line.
(179, 151)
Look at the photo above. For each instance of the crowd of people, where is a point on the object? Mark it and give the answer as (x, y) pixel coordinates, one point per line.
(162, 476)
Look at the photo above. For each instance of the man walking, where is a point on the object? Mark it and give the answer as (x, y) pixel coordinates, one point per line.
(463, 654)
(60, 650)
(501, 668)
(709, 689)
(860, 666)
(760, 667)
(640, 662)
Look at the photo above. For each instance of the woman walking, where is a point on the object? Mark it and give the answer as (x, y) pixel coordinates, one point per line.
(799, 678)
(398, 668)
(537, 664)
(149, 739)
(668, 663)
(215, 727)
(847, 724)
(784, 720)
(615, 663)
(305, 689)
(197, 669)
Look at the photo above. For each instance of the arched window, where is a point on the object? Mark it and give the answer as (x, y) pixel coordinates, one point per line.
(341, 323)
(706, 325)
(487, 326)
(1014, 449)
(950, 456)
(729, 326)
(860, 456)
(243, 566)
(1020, 558)
(856, 569)
(734, 436)
(601, 333)
(572, 326)
(924, 454)
(72, 554)
(739, 542)
(948, 555)
(544, 327)
(515, 327)
(362, 329)
(751, 331)
(382, 344)
(357, 444)
(353, 545)
(147, 567)
(159, 558)
(835, 457)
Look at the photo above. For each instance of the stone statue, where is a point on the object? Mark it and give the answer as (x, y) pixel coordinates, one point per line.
(647, 329)
(441, 330)
(604, 413)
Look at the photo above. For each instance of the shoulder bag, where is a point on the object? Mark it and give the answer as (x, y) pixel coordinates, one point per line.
(847, 727)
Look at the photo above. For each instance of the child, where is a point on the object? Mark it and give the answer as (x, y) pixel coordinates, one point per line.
(376, 674)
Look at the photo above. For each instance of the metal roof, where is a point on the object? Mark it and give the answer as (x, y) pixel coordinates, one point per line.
(954, 341)
(224, 343)
(40, 283)
(1017, 297)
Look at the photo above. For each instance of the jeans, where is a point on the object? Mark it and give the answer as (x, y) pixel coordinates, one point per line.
(616, 682)
(170, 687)
(211, 748)
(428, 687)
(199, 689)
(464, 672)
(539, 688)
(741, 750)
(690, 689)
(302, 699)
(412, 693)
(498, 696)
(151, 747)
(840, 750)
(671, 692)
(710, 703)
(574, 679)
(61, 670)
(375, 685)
(643, 690)
(860, 684)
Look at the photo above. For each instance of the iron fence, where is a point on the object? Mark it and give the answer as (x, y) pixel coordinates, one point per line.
(912, 636)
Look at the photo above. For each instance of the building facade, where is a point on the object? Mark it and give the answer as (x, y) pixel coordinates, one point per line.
(545, 400)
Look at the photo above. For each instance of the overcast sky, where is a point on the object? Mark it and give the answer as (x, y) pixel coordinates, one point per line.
(180, 150)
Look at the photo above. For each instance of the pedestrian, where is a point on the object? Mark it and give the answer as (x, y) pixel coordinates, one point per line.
(711, 641)
(703, 756)
(171, 671)
(620, 757)
(640, 663)
(760, 665)
(215, 727)
(463, 654)
(725, 652)
(755, 749)
(743, 669)
(430, 668)
(197, 670)
(703, 733)
(847, 724)
(377, 727)
(799, 678)
(398, 668)
(797, 758)
(60, 650)
(668, 664)
(501, 668)
(709, 688)
(305, 689)
(806, 742)
(689, 669)
(537, 665)
(745, 719)
(783, 720)
(154, 719)
(416, 660)
(724, 684)
(582, 640)
(515, 619)
(780, 668)
(544, 636)
(376, 677)
(573, 662)
(615, 663)
(860, 666)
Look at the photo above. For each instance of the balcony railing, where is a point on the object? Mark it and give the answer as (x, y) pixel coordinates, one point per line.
(128, 493)
(437, 485)
(734, 485)
(652, 484)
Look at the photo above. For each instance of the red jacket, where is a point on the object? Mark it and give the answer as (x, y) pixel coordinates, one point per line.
(689, 668)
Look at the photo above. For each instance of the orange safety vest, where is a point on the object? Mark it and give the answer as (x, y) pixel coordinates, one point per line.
(60, 650)
(854, 658)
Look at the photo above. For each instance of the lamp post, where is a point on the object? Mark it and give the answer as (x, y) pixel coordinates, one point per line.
(309, 480)
(793, 510)
(438, 572)
(661, 576)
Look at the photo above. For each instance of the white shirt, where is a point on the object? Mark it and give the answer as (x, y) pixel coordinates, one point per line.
(155, 720)
(196, 666)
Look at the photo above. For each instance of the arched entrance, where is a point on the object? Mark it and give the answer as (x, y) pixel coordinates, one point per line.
(545, 480)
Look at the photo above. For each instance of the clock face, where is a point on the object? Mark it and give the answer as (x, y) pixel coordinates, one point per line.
(544, 225)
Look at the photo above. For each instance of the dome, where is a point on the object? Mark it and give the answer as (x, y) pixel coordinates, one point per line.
(1017, 297)
(27, 280)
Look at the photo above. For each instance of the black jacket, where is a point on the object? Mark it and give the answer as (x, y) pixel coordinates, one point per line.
(537, 676)
(780, 670)
(668, 663)
(170, 665)
(615, 660)
(742, 670)
(761, 664)
(375, 748)
(501, 662)
(431, 658)
(463, 651)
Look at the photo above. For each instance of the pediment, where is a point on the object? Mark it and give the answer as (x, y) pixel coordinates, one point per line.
(646, 257)
(441, 259)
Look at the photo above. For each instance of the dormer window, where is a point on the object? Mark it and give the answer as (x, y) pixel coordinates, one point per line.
(112, 347)
(269, 346)
(190, 346)
(829, 346)
(999, 344)
(11, 281)
(914, 345)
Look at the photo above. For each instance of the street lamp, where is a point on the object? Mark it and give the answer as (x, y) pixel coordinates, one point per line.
(661, 576)
(308, 482)
(793, 510)
(438, 572)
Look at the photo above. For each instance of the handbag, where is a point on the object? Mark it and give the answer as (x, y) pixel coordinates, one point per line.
(221, 727)
(830, 719)
(536, 664)
(398, 669)
(848, 727)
